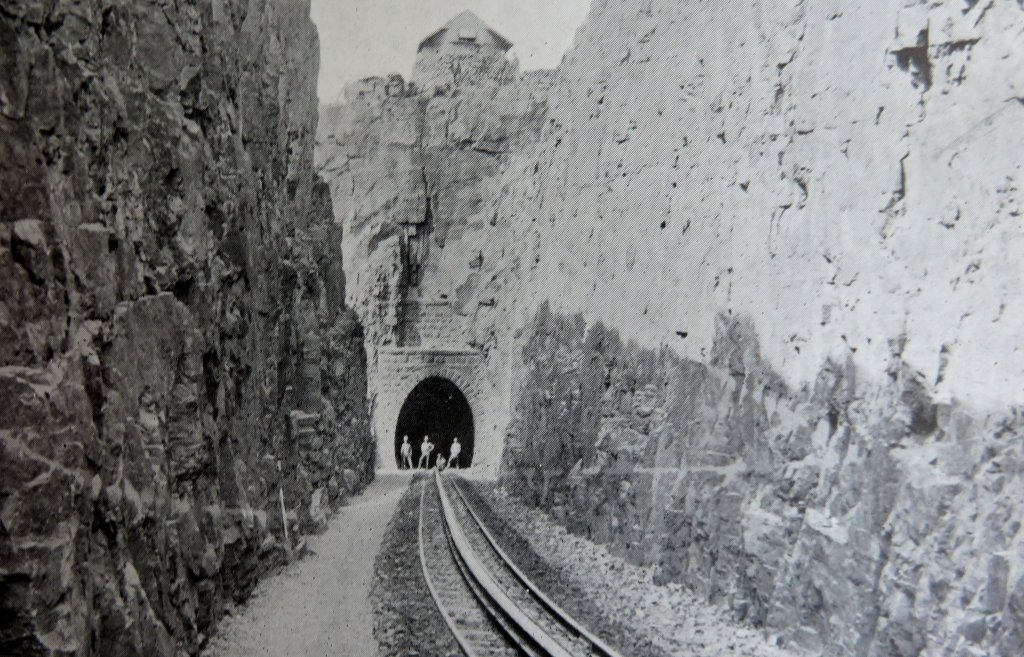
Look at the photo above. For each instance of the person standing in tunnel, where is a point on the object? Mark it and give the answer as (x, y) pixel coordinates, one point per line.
(406, 453)
(453, 457)
(425, 449)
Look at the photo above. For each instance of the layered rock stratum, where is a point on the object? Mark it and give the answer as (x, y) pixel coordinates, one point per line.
(181, 378)
(748, 281)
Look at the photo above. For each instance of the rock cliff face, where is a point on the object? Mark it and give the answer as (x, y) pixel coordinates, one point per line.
(174, 344)
(746, 282)
(854, 519)
(409, 172)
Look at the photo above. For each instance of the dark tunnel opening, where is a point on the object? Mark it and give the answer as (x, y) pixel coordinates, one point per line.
(436, 408)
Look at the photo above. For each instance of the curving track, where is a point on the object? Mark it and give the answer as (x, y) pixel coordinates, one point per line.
(491, 606)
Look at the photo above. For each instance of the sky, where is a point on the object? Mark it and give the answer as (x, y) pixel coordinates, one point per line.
(360, 38)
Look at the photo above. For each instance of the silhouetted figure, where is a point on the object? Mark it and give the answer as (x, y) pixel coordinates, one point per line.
(426, 447)
(406, 453)
(453, 458)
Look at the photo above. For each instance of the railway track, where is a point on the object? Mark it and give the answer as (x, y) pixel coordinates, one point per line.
(491, 606)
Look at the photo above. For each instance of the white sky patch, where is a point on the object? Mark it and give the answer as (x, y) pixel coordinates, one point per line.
(362, 38)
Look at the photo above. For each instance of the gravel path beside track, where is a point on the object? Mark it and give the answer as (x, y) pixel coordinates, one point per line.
(319, 605)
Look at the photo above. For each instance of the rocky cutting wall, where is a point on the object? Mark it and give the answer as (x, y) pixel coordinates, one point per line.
(172, 318)
(749, 283)
(804, 217)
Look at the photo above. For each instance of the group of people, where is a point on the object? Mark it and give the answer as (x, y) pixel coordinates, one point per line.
(426, 448)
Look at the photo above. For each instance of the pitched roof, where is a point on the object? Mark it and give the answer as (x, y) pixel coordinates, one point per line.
(466, 20)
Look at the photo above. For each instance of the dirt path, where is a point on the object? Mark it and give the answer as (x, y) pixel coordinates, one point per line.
(319, 605)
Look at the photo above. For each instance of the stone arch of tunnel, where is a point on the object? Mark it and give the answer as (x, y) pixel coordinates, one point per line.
(395, 371)
(436, 407)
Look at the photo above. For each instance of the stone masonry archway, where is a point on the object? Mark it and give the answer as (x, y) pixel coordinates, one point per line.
(400, 369)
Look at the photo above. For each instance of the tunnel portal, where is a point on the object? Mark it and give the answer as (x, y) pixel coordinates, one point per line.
(435, 407)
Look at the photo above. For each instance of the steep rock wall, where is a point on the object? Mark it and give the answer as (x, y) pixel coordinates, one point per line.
(174, 344)
(408, 171)
(852, 519)
(804, 218)
(821, 148)
(822, 431)
(750, 299)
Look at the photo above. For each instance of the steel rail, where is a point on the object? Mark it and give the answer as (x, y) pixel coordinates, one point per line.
(460, 637)
(474, 640)
(522, 643)
(527, 626)
(598, 647)
(540, 629)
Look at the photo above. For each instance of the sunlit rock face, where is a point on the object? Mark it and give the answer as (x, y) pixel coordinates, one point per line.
(745, 279)
(174, 346)
(797, 226)
(804, 220)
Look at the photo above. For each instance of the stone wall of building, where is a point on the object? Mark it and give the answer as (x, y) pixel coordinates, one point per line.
(174, 344)
(443, 69)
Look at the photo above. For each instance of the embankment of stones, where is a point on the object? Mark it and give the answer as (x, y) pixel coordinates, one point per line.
(174, 346)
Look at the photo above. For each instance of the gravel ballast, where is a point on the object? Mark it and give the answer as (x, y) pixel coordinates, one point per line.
(575, 596)
(608, 594)
(407, 622)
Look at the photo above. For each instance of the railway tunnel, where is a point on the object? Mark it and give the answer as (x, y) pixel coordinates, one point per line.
(435, 391)
(436, 407)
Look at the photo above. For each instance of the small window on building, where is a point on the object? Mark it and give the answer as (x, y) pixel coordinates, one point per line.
(467, 35)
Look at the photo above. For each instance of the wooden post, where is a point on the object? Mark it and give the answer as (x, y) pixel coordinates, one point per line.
(284, 516)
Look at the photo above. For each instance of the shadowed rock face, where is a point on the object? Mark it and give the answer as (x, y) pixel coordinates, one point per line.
(805, 510)
(172, 318)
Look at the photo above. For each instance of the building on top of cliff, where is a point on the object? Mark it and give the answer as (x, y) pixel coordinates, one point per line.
(463, 50)
(465, 30)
